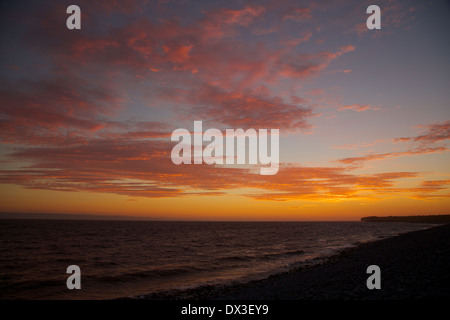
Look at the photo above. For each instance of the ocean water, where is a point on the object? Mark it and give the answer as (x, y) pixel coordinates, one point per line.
(137, 258)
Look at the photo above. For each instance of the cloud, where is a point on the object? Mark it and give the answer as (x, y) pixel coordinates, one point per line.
(144, 169)
(431, 196)
(436, 132)
(297, 14)
(202, 54)
(296, 41)
(309, 65)
(245, 109)
(434, 185)
(422, 144)
(80, 121)
(80, 95)
(33, 112)
(394, 15)
(244, 16)
(354, 107)
(380, 156)
(363, 145)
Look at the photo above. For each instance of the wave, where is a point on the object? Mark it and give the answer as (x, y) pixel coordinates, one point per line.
(148, 274)
(266, 256)
(186, 270)
(31, 284)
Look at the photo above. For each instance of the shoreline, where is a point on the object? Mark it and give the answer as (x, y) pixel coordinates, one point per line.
(414, 265)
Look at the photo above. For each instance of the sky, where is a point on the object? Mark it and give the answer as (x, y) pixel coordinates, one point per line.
(86, 116)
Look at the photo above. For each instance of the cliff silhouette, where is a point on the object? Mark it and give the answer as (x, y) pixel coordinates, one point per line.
(440, 219)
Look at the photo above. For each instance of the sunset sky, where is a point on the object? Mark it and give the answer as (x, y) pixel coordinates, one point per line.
(86, 115)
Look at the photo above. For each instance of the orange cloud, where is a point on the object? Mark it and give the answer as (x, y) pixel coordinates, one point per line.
(434, 185)
(354, 107)
(126, 165)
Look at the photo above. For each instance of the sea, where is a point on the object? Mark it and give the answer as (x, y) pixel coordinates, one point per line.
(141, 259)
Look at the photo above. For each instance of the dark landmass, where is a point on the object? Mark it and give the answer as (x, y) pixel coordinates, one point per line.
(440, 219)
(414, 265)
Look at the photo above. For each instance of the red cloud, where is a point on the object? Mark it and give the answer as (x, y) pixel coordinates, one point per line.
(296, 41)
(424, 145)
(218, 72)
(436, 132)
(244, 110)
(205, 63)
(309, 64)
(48, 110)
(298, 14)
(242, 16)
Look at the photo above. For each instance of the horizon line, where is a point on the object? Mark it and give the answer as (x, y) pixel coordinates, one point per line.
(98, 217)
(109, 217)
